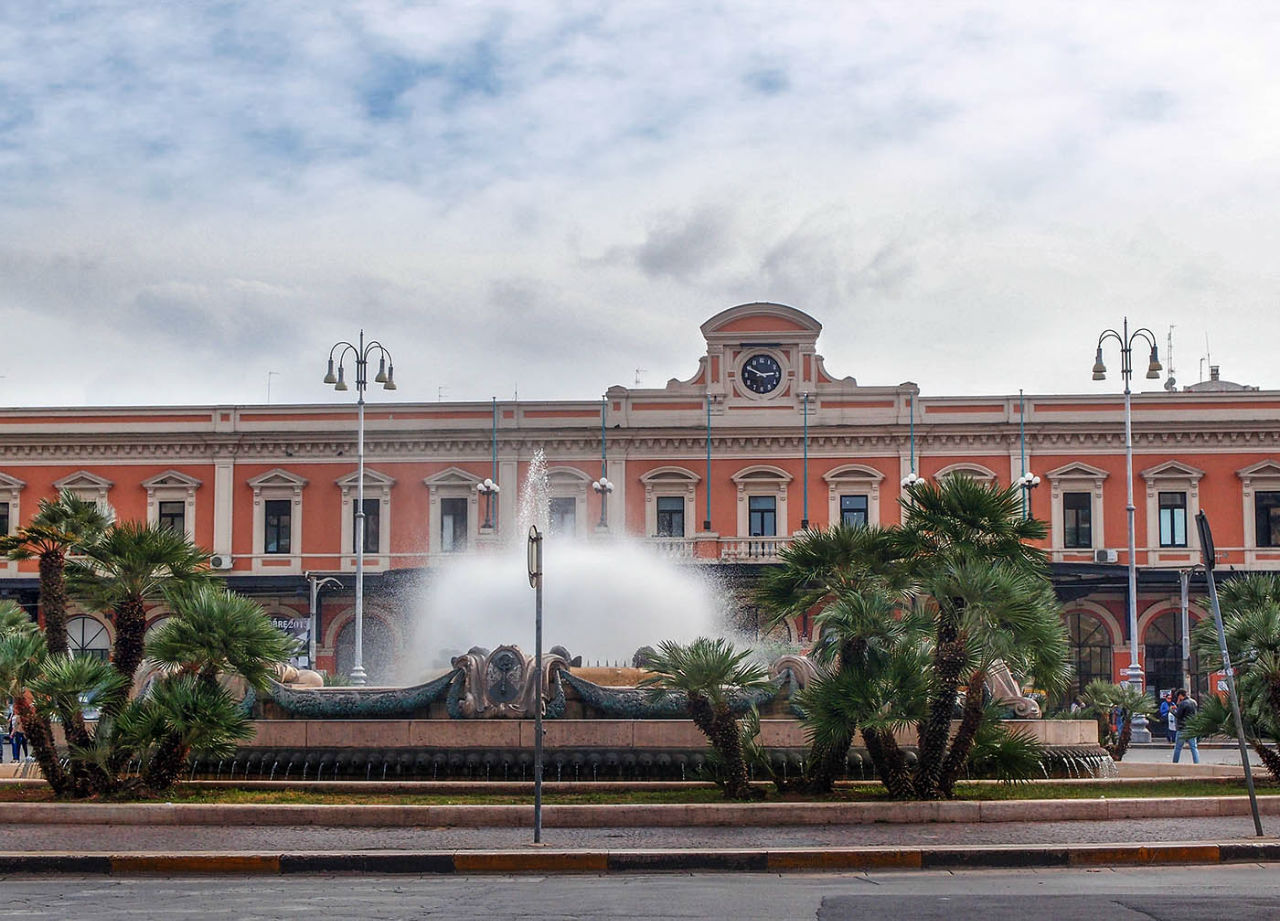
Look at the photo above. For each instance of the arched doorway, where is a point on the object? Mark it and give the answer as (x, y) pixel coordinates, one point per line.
(379, 650)
(88, 636)
(1090, 648)
(1163, 640)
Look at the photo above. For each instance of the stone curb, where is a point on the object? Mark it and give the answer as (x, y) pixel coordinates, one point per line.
(654, 815)
(649, 861)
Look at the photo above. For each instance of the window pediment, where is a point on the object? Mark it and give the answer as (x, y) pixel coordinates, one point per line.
(1263, 469)
(11, 485)
(853, 472)
(371, 478)
(1172, 470)
(670, 476)
(762, 473)
(972, 471)
(1077, 471)
(450, 476)
(171, 479)
(82, 480)
(277, 478)
(570, 474)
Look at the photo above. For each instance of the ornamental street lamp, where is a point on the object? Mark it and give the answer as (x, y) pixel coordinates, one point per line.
(1126, 341)
(603, 487)
(488, 489)
(386, 377)
(1027, 482)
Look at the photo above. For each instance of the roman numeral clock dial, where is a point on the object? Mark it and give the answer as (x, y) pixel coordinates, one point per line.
(761, 373)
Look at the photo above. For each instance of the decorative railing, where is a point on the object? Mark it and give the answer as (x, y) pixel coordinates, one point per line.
(752, 549)
(672, 548)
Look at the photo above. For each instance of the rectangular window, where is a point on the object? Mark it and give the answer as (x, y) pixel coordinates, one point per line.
(564, 515)
(453, 525)
(671, 516)
(277, 517)
(173, 515)
(371, 522)
(4, 518)
(853, 511)
(762, 514)
(1173, 519)
(1077, 519)
(1266, 507)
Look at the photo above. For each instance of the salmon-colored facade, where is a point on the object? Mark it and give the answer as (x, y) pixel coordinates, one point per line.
(717, 470)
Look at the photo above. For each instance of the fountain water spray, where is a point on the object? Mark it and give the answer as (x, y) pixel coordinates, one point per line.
(605, 596)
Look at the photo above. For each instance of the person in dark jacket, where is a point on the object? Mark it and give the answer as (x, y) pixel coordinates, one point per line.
(1186, 708)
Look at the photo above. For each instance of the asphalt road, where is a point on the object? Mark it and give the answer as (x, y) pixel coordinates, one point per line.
(1240, 893)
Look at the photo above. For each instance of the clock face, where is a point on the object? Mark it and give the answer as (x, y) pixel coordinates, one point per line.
(762, 373)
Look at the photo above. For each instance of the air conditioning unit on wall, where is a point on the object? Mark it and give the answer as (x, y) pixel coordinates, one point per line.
(1105, 556)
(220, 561)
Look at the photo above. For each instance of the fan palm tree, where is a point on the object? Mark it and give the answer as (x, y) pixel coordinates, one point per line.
(131, 564)
(180, 714)
(953, 534)
(706, 670)
(819, 566)
(1004, 614)
(59, 526)
(22, 652)
(1101, 697)
(212, 632)
(858, 633)
(1251, 624)
(63, 687)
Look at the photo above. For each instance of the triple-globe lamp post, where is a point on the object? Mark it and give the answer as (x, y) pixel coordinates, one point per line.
(361, 351)
(1126, 339)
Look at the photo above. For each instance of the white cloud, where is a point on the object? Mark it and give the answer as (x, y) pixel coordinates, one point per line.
(553, 195)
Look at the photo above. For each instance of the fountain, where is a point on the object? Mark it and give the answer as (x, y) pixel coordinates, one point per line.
(473, 717)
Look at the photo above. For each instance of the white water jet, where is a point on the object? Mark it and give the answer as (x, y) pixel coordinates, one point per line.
(604, 596)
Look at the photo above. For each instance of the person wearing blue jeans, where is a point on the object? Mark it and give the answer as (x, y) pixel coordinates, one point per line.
(1186, 709)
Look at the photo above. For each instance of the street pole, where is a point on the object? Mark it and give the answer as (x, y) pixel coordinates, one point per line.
(1184, 592)
(1126, 340)
(706, 522)
(1206, 547)
(385, 377)
(804, 522)
(358, 676)
(316, 583)
(535, 580)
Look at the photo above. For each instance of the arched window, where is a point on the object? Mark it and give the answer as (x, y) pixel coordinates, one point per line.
(1090, 648)
(87, 636)
(1163, 639)
(379, 650)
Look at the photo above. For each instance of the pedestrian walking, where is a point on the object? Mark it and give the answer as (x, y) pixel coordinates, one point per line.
(1168, 716)
(17, 739)
(1185, 707)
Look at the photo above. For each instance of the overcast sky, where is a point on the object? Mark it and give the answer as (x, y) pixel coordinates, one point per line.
(550, 196)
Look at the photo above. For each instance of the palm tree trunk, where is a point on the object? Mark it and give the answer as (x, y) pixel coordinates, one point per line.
(53, 600)
(948, 660)
(889, 761)
(721, 730)
(962, 744)
(826, 763)
(166, 765)
(131, 628)
(40, 736)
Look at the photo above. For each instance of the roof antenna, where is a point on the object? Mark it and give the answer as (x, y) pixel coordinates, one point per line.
(639, 371)
(1171, 383)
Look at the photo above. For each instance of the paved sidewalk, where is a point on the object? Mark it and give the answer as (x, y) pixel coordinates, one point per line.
(178, 839)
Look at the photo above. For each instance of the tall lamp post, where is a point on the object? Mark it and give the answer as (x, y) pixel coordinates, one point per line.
(386, 377)
(602, 485)
(1126, 340)
(489, 487)
(912, 478)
